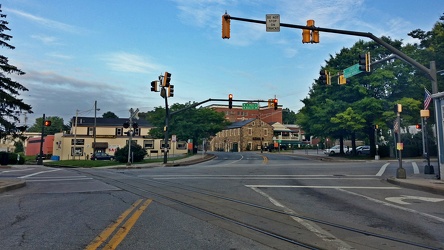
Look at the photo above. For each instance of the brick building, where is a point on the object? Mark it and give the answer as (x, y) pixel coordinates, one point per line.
(243, 136)
(266, 114)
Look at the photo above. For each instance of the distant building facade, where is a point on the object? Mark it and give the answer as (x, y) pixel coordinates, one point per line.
(246, 135)
(235, 114)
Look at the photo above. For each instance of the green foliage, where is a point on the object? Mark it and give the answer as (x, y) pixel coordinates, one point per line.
(288, 116)
(192, 123)
(13, 158)
(9, 89)
(137, 152)
(57, 125)
(18, 147)
(353, 109)
(109, 114)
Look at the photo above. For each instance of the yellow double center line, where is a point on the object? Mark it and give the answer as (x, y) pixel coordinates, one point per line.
(123, 230)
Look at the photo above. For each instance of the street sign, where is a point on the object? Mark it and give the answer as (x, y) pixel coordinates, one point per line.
(351, 71)
(273, 22)
(249, 106)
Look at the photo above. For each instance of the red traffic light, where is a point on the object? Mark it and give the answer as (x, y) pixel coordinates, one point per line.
(418, 126)
(230, 101)
(47, 123)
(275, 103)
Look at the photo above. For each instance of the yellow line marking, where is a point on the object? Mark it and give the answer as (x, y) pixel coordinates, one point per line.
(124, 230)
(265, 159)
(103, 236)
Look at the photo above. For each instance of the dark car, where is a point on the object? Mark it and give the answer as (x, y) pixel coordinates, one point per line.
(102, 156)
(363, 150)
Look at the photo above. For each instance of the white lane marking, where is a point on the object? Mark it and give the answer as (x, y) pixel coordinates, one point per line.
(312, 227)
(41, 172)
(61, 179)
(252, 175)
(16, 170)
(321, 187)
(382, 170)
(400, 200)
(394, 206)
(415, 168)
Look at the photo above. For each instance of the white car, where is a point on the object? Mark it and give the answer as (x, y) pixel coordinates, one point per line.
(334, 150)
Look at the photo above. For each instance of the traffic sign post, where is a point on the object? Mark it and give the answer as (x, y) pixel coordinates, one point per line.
(250, 106)
(273, 22)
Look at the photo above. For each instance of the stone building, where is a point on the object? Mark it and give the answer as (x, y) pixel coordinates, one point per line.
(235, 114)
(243, 136)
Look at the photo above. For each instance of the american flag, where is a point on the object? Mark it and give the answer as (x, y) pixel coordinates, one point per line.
(427, 99)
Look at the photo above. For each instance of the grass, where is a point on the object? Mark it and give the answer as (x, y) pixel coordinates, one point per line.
(94, 164)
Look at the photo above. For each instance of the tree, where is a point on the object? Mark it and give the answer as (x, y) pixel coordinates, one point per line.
(193, 123)
(9, 89)
(288, 116)
(56, 125)
(18, 147)
(137, 152)
(109, 114)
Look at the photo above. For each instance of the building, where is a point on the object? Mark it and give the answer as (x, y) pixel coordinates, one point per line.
(33, 145)
(243, 135)
(110, 135)
(235, 114)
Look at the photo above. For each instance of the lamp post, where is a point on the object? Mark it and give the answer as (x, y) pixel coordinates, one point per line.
(95, 126)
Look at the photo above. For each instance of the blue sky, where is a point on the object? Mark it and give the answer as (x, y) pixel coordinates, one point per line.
(77, 51)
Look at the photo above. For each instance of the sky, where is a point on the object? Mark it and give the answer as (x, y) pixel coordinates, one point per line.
(76, 52)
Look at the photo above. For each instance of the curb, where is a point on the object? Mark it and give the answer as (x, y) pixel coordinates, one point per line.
(416, 186)
(16, 185)
(191, 162)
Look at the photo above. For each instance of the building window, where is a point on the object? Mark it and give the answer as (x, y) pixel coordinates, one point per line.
(136, 131)
(181, 145)
(118, 131)
(250, 131)
(90, 130)
(253, 123)
(162, 144)
(133, 142)
(265, 131)
(148, 143)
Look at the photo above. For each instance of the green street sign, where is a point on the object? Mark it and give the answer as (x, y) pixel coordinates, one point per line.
(249, 106)
(351, 71)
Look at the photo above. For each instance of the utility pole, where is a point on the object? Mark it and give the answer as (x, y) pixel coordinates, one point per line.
(95, 126)
(133, 114)
(39, 159)
(74, 153)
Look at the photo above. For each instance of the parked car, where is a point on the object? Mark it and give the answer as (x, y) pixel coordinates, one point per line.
(102, 156)
(363, 150)
(334, 150)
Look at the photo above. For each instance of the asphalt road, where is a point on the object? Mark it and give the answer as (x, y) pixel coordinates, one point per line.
(236, 201)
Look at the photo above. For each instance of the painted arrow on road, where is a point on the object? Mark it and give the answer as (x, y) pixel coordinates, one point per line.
(400, 200)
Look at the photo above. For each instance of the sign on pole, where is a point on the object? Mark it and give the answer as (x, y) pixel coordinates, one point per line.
(351, 71)
(273, 22)
(250, 106)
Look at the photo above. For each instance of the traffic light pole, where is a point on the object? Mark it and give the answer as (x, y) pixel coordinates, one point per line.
(167, 115)
(39, 159)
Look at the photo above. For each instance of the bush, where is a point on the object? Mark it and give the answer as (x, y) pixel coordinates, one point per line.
(137, 152)
(12, 158)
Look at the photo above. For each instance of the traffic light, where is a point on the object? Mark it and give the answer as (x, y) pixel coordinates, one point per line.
(226, 26)
(364, 62)
(315, 36)
(171, 91)
(166, 79)
(270, 103)
(47, 123)
(275, 103)
(324, 77)
(398, 108)
(230, 101)
(126, 124)
(135, 125)
(418, 126)
(310, 36)
(342, 80)
(306, 36)
(154, 86)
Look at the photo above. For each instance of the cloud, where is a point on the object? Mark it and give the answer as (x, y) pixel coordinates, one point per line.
(127, 62)
(48, 40)
(46, 22)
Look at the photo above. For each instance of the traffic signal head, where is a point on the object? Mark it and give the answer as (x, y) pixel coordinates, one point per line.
(364, 62)
(418, 126)
(126, 124)
(135, 125)
(324, 77)
(47, 123)
(342, 80)
(166, 79)
(398, 108)
(315, 36)
(226, 26)
(230, 101)
(171, 91)
(306, 36)
(275, 103)
(154, 86)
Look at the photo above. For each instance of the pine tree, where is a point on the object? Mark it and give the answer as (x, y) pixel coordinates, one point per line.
(10, 104)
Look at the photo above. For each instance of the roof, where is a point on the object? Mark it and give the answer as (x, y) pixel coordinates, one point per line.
(278, 127)
(239, 124)
(111, 122)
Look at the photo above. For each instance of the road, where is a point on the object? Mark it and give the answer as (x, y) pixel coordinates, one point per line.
(242, 200)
